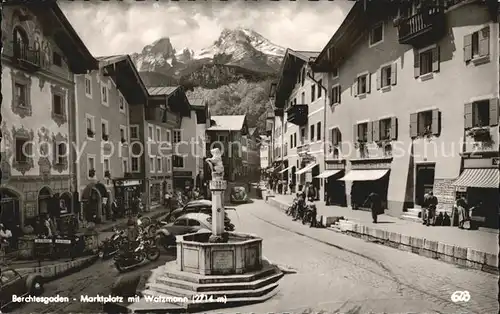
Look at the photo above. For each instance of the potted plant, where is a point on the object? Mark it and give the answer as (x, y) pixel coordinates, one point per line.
(123, 140)
(107, 174)
(105, 137)
(92, 173)
(90, 133)
(480, 134)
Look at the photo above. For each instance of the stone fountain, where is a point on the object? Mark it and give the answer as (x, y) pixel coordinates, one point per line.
(213, 269)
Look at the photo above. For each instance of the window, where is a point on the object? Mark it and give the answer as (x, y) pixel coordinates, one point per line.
(9, 275)
(88, 86)
(320, 89)
(377, 34)
(61, 154)
(363, 132)
(294, 139)
(181, 222)
(134, 132)
(291, 141)
(90, 166)
(385, 76)
(124, 165)
(481, 113)
(104, 130)
(336, 137)
(425, 123)
(313, 93)
(302, 135)
(335, 73)
(123, 133)
(23, 150)
(193, 223)
(56, 59)
(151, 164)
(104, 94)
(178, 136)
(169, 133)
(318, 131)
(135, 164)
(178, 161)
(21, 95)
(90, 127)
(160, 164)
(477, 44)
(106, 164)
(385, 129)
(425, 62)
(362, 84)
(121, 103)
(158, 134)
(150, 133)
(336, 94)
(311, 133)
(57, 104)
(169, 164)
(303, 76)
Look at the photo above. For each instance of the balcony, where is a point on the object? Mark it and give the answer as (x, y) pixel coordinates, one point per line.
(302, 149)
(154, 114)
(298, 114)
(422, 28)
(26, 57)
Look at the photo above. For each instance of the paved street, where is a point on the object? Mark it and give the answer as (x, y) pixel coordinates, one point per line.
(335, 274)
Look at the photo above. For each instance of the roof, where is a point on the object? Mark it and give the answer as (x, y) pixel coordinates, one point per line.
(108, 60)
(162, 90)
(227, 123)
(305, 55)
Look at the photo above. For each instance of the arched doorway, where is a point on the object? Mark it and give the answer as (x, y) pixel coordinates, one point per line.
(93, 197)
(44, 199)
(10, 215)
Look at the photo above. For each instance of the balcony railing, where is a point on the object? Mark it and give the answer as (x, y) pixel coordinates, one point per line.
(302, 149)
(428, 24)
(298, 114)
(26, 57)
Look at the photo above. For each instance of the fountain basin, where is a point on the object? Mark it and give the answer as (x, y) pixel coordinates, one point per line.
(240, 254)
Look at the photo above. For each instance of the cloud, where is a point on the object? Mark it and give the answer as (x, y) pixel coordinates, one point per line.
(109, 28)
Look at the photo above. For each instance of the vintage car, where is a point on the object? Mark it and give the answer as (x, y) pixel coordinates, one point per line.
(188, 223)
(13, 283)
(239, 195)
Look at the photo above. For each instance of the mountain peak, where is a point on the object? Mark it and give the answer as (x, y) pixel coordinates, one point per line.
(160, 46)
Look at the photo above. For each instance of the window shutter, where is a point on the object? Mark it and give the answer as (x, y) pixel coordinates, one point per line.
(493, 111)
(468, 115)
(376, 131)
(355, 88)
(368, 82)
(416, 63)
(355, 132)
(435, 59)
(339, 92)
(394, 68)
(484, 42)
(435, 122)
(369, 133)
(467, 47)
(413, 125)
(379, 79)
(394, 128)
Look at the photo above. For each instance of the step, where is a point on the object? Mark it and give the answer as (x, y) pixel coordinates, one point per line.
(165, 308)
(196, 287)
(171, 271)
(215, 294)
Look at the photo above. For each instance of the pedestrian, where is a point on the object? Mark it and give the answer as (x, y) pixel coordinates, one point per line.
(311, 191)
(290, 185)
(430, 205)
(463, 212)
(198, 180)
(114, 210)
(375, 203)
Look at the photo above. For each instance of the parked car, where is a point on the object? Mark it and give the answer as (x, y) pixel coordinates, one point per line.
(13, 283)
(239, 195)
(188, 223)
(197, 206)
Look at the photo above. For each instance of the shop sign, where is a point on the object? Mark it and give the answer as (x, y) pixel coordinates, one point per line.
(495, 161)
(461, 189)
(183, 174)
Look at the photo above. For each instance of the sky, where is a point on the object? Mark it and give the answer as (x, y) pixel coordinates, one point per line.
(109, 28)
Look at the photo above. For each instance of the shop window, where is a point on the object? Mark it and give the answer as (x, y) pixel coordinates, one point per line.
(377, 34)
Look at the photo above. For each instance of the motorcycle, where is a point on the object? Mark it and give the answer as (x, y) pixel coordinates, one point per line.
(292, 210)
(146, 250)
(111, 245)
(309, 213)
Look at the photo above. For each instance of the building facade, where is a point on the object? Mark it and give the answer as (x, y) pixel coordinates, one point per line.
(200, 108)
(251, 154)
(409, 105)
(38, 113)
(102, 122)
(167, 107)
(264, 154)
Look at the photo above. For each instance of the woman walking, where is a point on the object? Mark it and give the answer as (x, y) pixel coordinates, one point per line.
(463, 212)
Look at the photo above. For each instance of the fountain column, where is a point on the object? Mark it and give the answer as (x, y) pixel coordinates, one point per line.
(217, 187)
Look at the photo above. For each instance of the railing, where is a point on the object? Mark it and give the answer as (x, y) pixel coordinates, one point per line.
(26, 54)
(419, 22)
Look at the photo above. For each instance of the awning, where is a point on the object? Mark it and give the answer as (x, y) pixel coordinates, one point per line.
(478, 178)
(286, 169)
(364, 175)
(327, 174)
(306, 168)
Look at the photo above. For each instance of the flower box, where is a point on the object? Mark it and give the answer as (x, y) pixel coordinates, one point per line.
(481, 134)
(92, 173)
(90, 133)
(107, 174)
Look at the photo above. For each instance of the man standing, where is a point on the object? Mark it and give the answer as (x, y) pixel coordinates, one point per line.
(430, 205)
(375, 205)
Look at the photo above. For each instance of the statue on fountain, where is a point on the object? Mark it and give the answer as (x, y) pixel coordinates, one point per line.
(215, 163)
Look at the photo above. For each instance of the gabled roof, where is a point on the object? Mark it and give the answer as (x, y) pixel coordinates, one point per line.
(175, 96)
(290, 67)
(162, 90)
(197, 102)
(49, 14)
(126, 77)
(227, 123)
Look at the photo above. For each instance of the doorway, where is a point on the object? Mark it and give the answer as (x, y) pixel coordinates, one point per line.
(424, 181)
